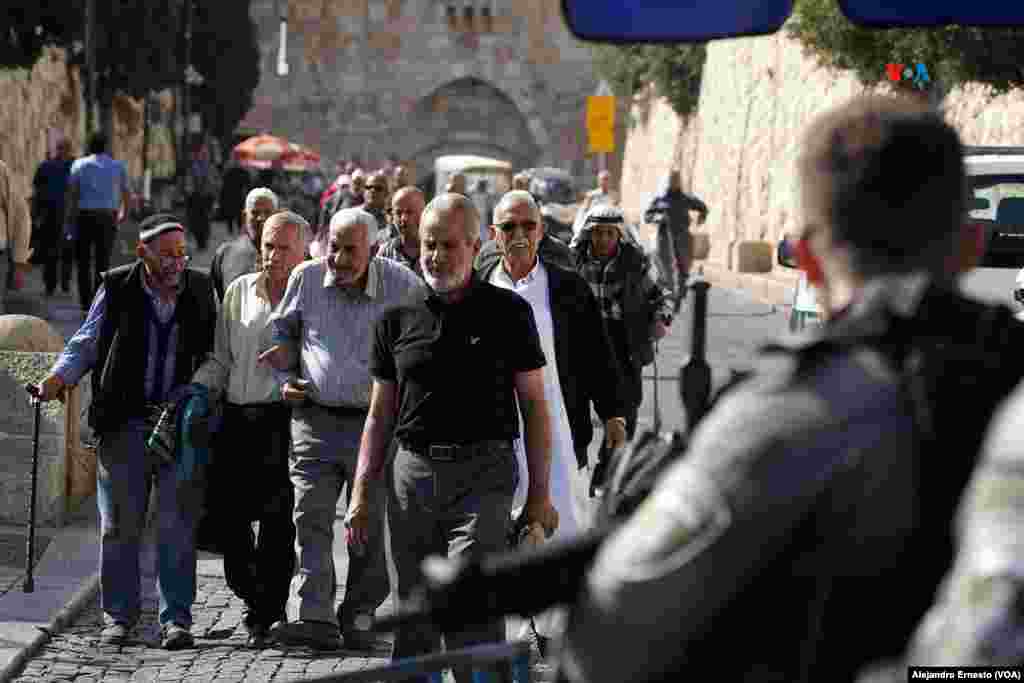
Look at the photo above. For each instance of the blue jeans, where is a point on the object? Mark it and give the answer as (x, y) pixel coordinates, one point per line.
(124, 476)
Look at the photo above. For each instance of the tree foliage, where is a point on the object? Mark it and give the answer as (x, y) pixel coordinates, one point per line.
(675, 71)
(29, 26)
(136, 46)
(951, 54)
(226, 53)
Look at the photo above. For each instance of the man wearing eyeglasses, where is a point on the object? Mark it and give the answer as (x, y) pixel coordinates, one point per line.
(582, 368)
(377, 194)
(150, 327)
(242, 254)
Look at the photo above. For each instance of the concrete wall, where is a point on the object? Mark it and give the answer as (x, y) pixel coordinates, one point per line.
(738, 152)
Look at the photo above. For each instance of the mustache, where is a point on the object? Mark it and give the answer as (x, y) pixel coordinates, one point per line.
(516, 244)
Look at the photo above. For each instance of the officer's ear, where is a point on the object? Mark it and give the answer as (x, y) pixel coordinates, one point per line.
(970, 242)
(809, 262)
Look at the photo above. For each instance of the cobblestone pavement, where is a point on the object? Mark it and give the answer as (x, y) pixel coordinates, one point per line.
(220, 653)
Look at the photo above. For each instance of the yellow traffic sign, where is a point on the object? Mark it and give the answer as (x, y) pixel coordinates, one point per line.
(601, 123)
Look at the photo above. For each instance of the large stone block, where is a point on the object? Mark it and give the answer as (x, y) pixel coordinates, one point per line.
(66, 472)
(754, 257)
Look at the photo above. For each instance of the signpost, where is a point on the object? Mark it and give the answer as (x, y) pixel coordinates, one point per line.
(601, 123)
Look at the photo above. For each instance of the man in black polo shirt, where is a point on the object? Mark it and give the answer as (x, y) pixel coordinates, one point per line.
(448, 367)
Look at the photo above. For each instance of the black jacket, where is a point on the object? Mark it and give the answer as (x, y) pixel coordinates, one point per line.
(118, 383)
(587, 367)
(638, 305)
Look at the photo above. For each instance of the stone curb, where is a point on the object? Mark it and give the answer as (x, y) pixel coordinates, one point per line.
(79, 601)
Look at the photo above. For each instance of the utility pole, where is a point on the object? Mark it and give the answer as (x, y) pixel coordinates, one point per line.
(90, 66)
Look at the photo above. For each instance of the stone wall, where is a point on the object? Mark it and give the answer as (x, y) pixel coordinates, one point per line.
(362, 72)
(49, 98)
(738, 152)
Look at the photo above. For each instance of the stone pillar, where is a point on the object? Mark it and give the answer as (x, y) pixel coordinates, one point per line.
(67, 469)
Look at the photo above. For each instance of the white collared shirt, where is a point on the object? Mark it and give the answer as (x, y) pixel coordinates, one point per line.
(534, 288)
(241, 335)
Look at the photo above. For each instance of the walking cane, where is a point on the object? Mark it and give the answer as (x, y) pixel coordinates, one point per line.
(657, 407)
(30, 585)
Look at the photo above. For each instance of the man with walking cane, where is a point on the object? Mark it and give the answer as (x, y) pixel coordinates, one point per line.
(148, 330)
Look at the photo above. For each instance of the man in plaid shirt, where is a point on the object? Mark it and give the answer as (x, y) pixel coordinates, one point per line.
(635, 308)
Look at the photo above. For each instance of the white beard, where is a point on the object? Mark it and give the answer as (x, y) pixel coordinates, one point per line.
(443, 285)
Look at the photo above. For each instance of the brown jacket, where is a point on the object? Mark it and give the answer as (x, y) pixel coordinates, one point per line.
(15, 226)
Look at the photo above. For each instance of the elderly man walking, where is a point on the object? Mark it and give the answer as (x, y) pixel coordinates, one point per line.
(582, 368)
(448, 369)
(378, 192)
(635, 308)
(255, 436)
(242, 254)
(149, 329)
(326, 316)
(406, 209)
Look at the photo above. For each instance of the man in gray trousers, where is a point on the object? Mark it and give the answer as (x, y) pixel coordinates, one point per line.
(326, 316)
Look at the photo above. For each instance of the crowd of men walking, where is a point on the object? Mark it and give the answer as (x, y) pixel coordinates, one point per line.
(442, 382)
(447, 382)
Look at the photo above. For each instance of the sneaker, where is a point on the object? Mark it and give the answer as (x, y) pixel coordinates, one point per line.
(259, 636)
(115, 633)
(318, 635)
(177, 637)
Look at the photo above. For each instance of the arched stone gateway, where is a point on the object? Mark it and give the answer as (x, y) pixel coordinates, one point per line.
(372, 80)
(468, 116)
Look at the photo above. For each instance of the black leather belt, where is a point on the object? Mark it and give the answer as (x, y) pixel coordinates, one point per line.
(341, 411)
(258, 411)
(455, 452)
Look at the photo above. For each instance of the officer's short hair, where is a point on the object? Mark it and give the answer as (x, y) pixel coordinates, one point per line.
(886, 175)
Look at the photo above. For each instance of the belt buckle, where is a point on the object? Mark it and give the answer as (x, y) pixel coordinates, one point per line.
(443, 452)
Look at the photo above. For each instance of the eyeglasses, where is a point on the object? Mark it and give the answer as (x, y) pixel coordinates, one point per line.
(509, 226)
(172, 259)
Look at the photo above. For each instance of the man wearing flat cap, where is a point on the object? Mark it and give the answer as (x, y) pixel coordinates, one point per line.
(149, 328)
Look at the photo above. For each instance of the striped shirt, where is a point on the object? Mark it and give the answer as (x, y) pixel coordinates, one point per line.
(333, 327)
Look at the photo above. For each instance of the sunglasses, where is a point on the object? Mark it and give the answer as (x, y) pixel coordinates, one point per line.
(378, 188)
(509, 226)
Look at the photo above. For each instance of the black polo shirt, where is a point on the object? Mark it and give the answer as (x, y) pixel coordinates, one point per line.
(455, 364)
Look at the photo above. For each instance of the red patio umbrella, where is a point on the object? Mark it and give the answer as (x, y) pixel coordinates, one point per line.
(261, 151)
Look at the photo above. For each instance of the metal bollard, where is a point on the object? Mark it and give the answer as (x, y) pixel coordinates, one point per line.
(695, 375)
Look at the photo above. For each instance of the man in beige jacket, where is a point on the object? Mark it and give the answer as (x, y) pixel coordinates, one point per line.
(15, 234)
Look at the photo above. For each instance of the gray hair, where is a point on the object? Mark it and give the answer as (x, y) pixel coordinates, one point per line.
(282, 218)
(258, 193)
(451, 202)
(513, 197)
(352, 216)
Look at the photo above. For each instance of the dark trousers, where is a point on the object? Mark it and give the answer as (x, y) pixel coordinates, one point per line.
(632, 376)
(55, 250)
(446, 509)
(198, 209)
(96, 233)
(253, 450)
